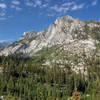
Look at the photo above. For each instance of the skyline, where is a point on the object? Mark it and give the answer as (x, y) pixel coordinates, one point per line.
(18, 16)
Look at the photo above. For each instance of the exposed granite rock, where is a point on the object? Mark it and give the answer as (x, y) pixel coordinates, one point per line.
(73, 34)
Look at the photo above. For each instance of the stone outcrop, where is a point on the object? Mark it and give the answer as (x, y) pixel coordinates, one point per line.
(75, 35)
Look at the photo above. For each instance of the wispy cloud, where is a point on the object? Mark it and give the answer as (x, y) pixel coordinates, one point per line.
(2, 19)
(76, 7)
(68, 3)
(37, 3)
(16, 7)
(48, 6)
(2, 14)
(44, 5)
(94, 2)
(59, 9)
(15, 2)
(67, 6)
(3, 6)
(29, 3)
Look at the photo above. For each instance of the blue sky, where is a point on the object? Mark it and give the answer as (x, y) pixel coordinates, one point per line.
(18, 16)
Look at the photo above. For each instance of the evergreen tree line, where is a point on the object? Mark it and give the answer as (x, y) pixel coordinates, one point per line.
(28, 79)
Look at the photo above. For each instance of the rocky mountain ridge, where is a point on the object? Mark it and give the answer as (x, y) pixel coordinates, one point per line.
(74, 34)
(3, 45)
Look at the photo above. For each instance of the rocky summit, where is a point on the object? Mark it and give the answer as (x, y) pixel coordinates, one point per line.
(71, 34)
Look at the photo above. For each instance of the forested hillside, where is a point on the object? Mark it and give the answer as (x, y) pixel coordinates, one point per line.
(33, 79)
(61, 62)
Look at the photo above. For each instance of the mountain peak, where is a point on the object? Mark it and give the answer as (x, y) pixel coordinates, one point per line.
(65, 18)
(64, 31)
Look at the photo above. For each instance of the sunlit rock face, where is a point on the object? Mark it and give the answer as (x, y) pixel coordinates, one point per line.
(75, 35)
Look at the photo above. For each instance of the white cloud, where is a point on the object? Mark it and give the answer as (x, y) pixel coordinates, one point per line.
(44, 5)
(3, 6)
(47, 6)
(29, 3)
(94, 2)
(12, 6)
(1, 0)
(10, 16)
(67, 6)
(59, 9)
(76, 7)
(16, 7)
(37, 3)
(68, 3)
(2, 14)
(2, 19)
(15, 2)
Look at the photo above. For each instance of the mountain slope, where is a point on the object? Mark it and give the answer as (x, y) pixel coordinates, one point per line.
(3, 45)
(73, 34)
